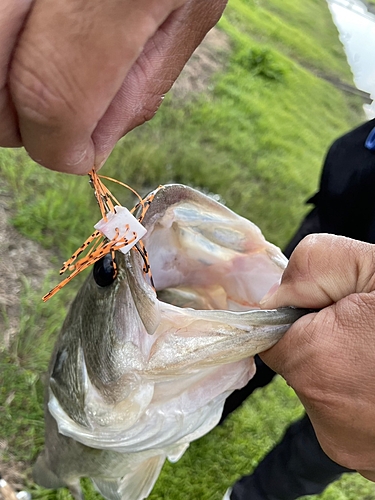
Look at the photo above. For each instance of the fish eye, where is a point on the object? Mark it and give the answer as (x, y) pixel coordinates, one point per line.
(104, 271)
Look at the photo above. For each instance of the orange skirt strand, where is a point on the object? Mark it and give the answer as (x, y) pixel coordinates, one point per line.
(99, 244)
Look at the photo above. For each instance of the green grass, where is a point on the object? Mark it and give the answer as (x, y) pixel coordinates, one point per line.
(257, 137)
(297, 29)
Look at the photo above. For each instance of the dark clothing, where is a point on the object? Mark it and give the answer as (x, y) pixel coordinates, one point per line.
(344, 205)
(345, 202)
(297, 466)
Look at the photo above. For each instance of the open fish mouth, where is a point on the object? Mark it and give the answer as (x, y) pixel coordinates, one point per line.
(204, 256)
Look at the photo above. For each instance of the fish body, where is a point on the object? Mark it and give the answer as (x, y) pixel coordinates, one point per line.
(138, 374)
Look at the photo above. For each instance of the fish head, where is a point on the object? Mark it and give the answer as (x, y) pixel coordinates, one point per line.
(202, 256)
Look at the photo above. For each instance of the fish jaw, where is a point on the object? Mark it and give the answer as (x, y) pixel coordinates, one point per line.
(188, 339)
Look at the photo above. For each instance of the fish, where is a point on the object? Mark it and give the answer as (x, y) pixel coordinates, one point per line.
(142, 367)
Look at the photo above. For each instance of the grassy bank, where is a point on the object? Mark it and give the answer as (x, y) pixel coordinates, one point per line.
(257, 137)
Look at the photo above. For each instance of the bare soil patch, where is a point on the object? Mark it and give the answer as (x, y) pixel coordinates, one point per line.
(209, 58)
(20, 259)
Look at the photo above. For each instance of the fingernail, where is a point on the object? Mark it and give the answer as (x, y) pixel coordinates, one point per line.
(79, 162)
(100, 160)
(269, 294)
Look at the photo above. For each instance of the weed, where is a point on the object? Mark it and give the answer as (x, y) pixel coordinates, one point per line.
(261, 61)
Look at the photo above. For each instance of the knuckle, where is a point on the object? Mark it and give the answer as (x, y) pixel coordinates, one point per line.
(313, 243)
(301, 260)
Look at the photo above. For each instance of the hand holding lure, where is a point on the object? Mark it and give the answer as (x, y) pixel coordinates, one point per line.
(117, 230)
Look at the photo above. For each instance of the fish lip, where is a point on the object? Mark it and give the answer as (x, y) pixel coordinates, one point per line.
(143, 295)
(171, 194)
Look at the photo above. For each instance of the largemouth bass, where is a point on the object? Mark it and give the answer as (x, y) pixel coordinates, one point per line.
(138, 374)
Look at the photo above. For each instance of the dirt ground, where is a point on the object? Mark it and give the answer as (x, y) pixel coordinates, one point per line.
(22, 259)
(209, 58)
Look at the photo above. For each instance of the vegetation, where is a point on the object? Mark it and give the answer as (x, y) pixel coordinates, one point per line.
(256, 137)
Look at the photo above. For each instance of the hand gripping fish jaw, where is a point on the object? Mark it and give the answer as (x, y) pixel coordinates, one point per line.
(138, 372)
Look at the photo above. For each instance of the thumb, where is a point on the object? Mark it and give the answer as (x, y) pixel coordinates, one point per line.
(322, 270)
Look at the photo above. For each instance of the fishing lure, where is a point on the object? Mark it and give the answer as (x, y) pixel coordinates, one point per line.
(118, 230)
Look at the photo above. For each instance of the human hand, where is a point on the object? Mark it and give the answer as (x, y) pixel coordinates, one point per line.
(328, 357)
(75, 76)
